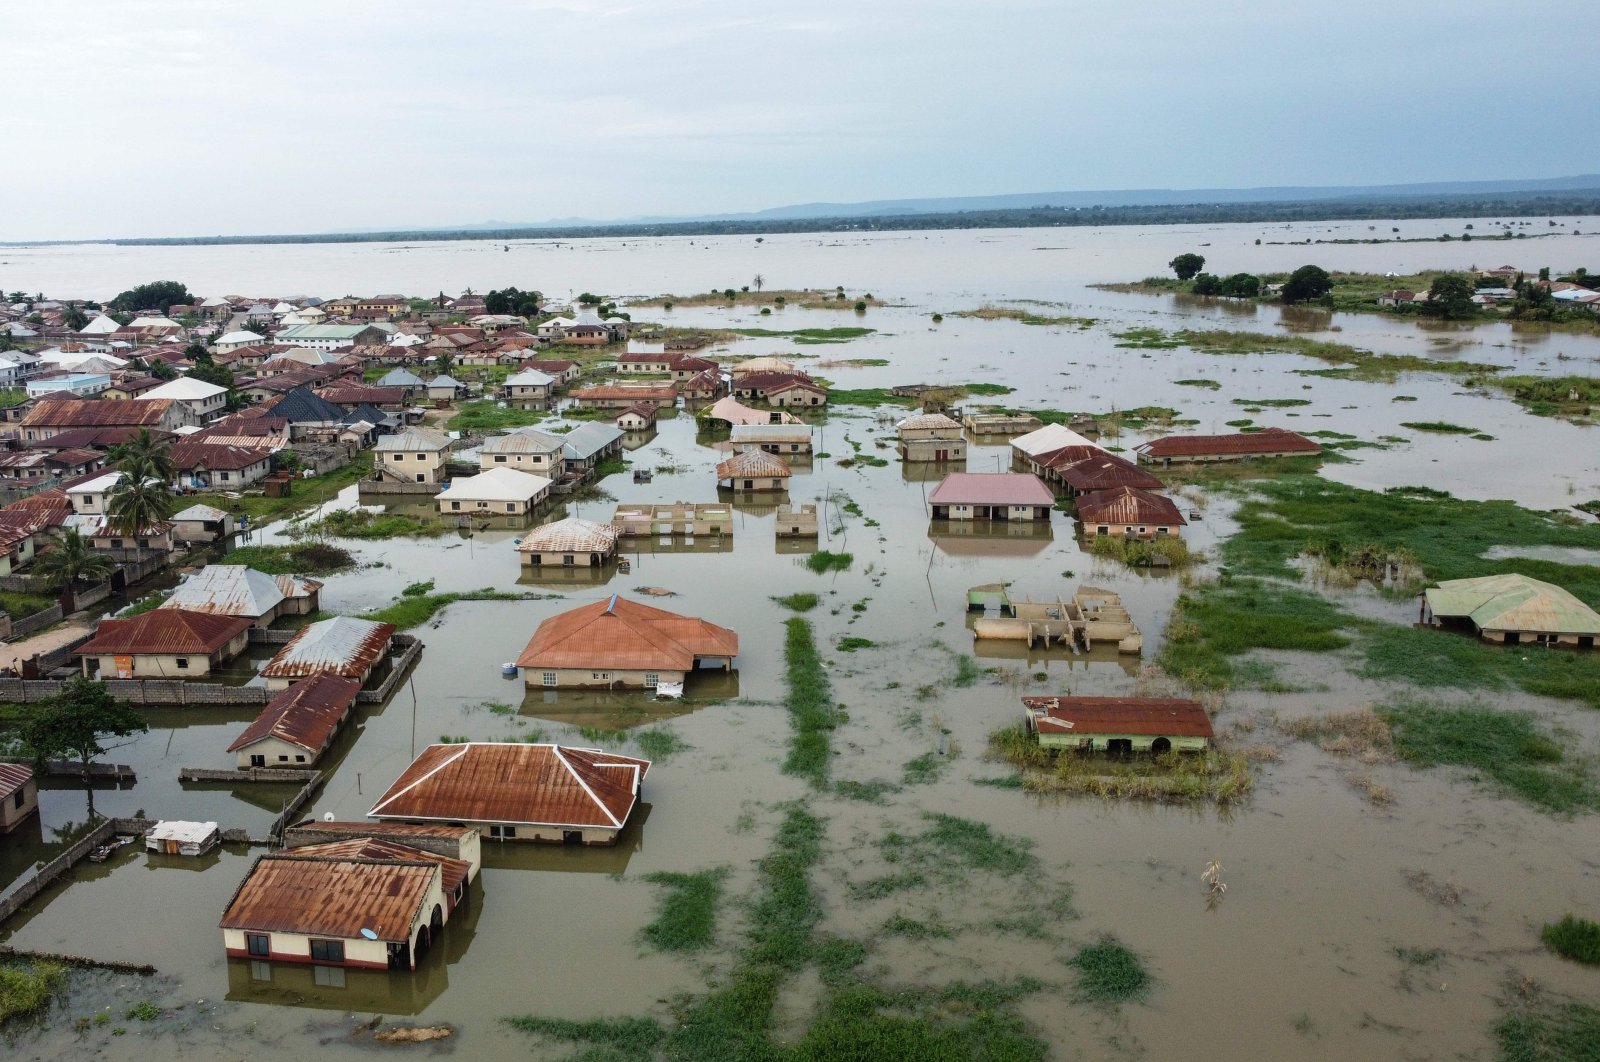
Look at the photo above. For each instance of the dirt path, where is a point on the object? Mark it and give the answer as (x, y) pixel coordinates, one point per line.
(12, 654)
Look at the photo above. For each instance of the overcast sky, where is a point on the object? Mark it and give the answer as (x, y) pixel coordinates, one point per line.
(184, 117)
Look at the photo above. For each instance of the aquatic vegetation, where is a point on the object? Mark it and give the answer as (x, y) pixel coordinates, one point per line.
(950, 844)
(803, 602)
(618, 1039)
(25, 990)
(1211, 385)
(1438, 427)
(659, 744)
(1213, 623)
(851, 643)
(1573, 397)
(302, 558)
(1109, 973)
(825, 561)
(1218, 775)
(806, 335)
(1574, 938)
(686, 912)
(810, 704)
(1536, 1031)
(1167, 552)
(899, 925)
(366, 524)
(924, 769)
(967, 671)
(415, 611)
(991, 312)
(1275, 403)
(871, 792)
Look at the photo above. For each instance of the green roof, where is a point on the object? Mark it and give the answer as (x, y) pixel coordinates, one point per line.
(1513, 602)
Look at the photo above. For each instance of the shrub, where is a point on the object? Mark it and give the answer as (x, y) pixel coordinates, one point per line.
(1574, 938)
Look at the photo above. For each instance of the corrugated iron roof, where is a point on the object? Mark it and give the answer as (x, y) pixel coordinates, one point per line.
(286, 893)
(527, 441)
(1128, 505)
(1266, 441)
(586, 440)
(512, 782)
(306, 714)
(619, 634)
(1105, 472)
(783, 433)
(571, 535)
(991, 488)
(757, 464)
(227, 590)
(1513, 602)
(1050, 437)
(925, 421)
(1153, 716)
(454, 871)
(94, 413)
(421, 439)
(386, 829)
(343, 645)
(734, 411)
(13, 776)
(163, 631)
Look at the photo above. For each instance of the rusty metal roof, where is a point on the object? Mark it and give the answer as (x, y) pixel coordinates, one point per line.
(454, 871)
(1265, 441)
(1128, 505)
(991, 488)
(618, 634)
(385, 829)
(13, 776)
(1154, 716)
(227, 590)
(164, 631)
(306, 714)
(516, 783)
(288, 893)
(571, 535)
(343, 645)
(1105, 472)
(95, 413)
(756, 464)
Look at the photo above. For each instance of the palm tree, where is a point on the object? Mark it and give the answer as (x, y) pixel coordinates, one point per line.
(139, 503)
(145, 457)
(71, 561)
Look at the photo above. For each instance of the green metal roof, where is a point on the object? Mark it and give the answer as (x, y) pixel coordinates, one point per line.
(1513, 602)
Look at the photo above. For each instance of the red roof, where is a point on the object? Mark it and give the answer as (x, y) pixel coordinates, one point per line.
(1105, 472)
(13, 776)
(305, 714)
(164, 631)
(624, 635)
(1153, 716)
(189, 455)
(95, 413)
(1266, 441)
(992, 488)
(1128, 505)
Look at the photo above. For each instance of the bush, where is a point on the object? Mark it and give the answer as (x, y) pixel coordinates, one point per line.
(1574, 938)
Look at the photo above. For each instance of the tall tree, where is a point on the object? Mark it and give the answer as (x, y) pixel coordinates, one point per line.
(1450, 297)
(1185, 265)
(1306, 284)
(156, 295)
(139, 503)
(74, 318)
(71, 561)
(758, 282)
(144, 456)
(71, 724)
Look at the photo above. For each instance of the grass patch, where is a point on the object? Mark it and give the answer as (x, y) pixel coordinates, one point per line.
(306, 493)
(659, 744)
(824, 561)
(17, 604)
(924, 769)
(1109, 973)
(1217, 775)
(366, 524)
(609, 1039)
(991, 312)
(1274, 403)
(851, 643)
(414, 611)
(867, 792)
(1429, 658)
(899, 925)
(1572, 397)
(686, 912)
(1567, 1031)
(1508, 749)
(488, 414)
(25, 991)
(302, 558)
(1438, 427)
(799, 602)
(967, 671)
(1213, 624)
(1574, 938)
(810, 704)
(950, 845)
(806, 336)
(1210, 385)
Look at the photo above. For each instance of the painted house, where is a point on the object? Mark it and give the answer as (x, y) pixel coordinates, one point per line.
(445, 388)
(637, 418)
(164, 643)
(734, 412)
(1513, 609)
(1031, 446)
(1208, 449)
(804, 393)
(454, 842)
(1118, 725)
(931, 437)
(1129, 512)
(297, 725)
(1102, 472)
(616, 396)
(19, 795)
(416, 455)
(753, 470)
(622, 644)
(526, 450)
(49, 417)
(786, 439)
(238, 591)
(1000, 496)
(331, 336)
(569, 543)
(204, 401)
(675, 520)
(345, 646)
(202, 523)
(653, 363)
(529, 385)
(514, 791)
(560, 370)
(499, 491)
(206, 465)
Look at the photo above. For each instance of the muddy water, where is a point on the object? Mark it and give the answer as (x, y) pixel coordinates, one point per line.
(1297, 961)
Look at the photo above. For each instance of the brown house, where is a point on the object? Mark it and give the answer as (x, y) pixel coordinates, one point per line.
(1128, 512)
(1203, 449)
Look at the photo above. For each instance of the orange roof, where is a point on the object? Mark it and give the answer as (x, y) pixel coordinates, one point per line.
(455, 871)
(164, 631)
(516, 783)
(625, 635)
(1265, 441)
(288, 893)
(306, 714)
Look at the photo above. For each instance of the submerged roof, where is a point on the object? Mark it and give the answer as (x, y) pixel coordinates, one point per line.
(497, 484)
(1513, 602)
(1267, 440)
(1128, 505)
(343, 645)
(306, 714)
(1050, 437)
(619, 634)
(754, 463)
(289, 893)
(512, 782)
(1153, 716)
(571, 535)
(991, 488)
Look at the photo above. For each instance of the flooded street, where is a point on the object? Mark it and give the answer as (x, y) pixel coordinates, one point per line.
(1313, 951)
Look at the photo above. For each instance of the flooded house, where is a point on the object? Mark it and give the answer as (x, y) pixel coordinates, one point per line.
(345, 646)
(297, 725)
(416, 455)
(202, 523)
(529, 385)
(175, 837)
(734, 412)
(637, 418)
(512, 791)
(796, 521)
(568, 543)
(620, 644)
(1513, 609)
(766, 363)
(236, 590)
(786, 439)
(796, 392)
(674, 519)
(999, 496)
(1118, 725)
(587, 445)
(701, 387)
(618, 396)
(1128, 512)
(931, 437)
(499, 492)
(359, 903)
(205, 466)
(526, 450)
(980, 423)
(19, 795)
(1244, 446)
(1031, 449)
(164, 643)
(1103, 471)
(754, 470)
(49, 417)
(456, 842)
(444, 388)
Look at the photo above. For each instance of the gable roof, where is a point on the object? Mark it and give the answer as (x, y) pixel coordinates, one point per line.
(1513, 602)
(163, 631)
(1128, 505)
(512, 782)
(571, 535)
(1050, 437)
(586, 440)
(497, 484)
(227, 590)
(991, 488)
(1153, 716)
(94, 413)
(619, 634)
(306, 714)
(184, 389)
(522, 441)
(1267, 440)
(400, 378)
(414, 438)
(755, 464)
(343, 645)
(13, 776)
(453, 871)
(1104, 472)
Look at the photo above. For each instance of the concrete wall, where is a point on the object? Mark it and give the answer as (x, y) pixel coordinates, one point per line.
(55, 868)
(141, 691)
(1101, 742)
(575, 678)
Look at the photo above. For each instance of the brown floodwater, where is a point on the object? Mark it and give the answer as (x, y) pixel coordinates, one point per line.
(1298, 960)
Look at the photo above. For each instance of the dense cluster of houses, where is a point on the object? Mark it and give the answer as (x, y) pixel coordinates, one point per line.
(1498, 287)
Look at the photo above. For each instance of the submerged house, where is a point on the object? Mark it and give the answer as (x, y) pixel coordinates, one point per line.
(1004, 496)
(569, 543)
(344, 646)
(792, 440)
(617, 643)
(931, 437)
(1513, 609)
(1118, 724)
(1128, 512)
(754, 470)
(297, 725)
(499, 492)
(416, 455)
(519, 792)
(164, 643)
(524, 449)
(1207, 449)
(239, 591)
(19, 795)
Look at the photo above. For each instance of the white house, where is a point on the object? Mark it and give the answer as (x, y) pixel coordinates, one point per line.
(499, 491)
(203, 400)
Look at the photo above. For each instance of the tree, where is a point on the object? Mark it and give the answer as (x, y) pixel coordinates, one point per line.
(1450, 297)
(143, 456)
(156, 295)
(72, 562)
(1187, 265)
(1206, 284)
(138, 504)
(442, 363)
(71, 724)
(1241, 286)
(1306, 284)
(74, 318)
(758, 281)
(161, 370)
(212, 373)
(258, 326)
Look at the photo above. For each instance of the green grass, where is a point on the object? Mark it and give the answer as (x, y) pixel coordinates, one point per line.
(899, 925)
(868, 397)
(686, 912)
(1274, 403)
(1508, 749)
(806, 336)
(1109, 973)
(924, 769)
(1431, 659)
(1210, 385)
(1217, 776)
(1568, 1032)
(851, 643)
(485, 414)
(967, 671)
(411, 612)
(950, 844)
(1438, 427)
(1213, 624)
(25, 991)
(659, 745)
(804, 602)
(302, 558)
(305, 493)
(991, 312)
(1354, 362)
(871, 792)
(824, 561)
(366, 524)
(1574, 938)
(609, 1039)
(17, 604)
(1553, 396)
(810, 705)
(12, 397)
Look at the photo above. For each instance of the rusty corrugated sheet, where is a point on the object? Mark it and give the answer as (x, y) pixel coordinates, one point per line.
(306, 714)
(1155, 716)
(343, 645)
(1266, 441)
(284, 893)
(753, 464)
(621, 635)
(455, 871)
(1105, 472)
(1128, 505)
(164, 631)
(13, 776)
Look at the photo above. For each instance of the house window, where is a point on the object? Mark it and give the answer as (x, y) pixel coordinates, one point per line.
(549, 678)
(283, 759)
(598, 674)
(511, 507)
(499, 460)
(327, 951)
(502, 832)
(260, 971)
(328, 976)
(183, 663)
(299, 759)
(258, 944)
(1102, 530)
(16, 799)
(652, 679)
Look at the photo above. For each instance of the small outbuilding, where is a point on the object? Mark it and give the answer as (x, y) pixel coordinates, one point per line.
(1118, 724)
(240, 591)
(344, 645)
(19, 795)
(176, 837)
(1514, 610)
(641, 417)
(297, 725)
(754, 470)
(202, 523)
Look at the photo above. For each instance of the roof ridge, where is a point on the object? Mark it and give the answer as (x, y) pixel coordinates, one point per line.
(585, 785)
(442, 765)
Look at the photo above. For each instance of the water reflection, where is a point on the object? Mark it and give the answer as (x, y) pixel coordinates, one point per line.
(560, 575)
(570, 858)
(991, 538)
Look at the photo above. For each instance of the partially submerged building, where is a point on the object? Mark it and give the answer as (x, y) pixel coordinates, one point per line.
(1244, 446)
(617, 643)
(19, 795)
(202, 523)
(675, 519)
(1013, 496)
(1128, 512)
(931, 437)
(569, 543)
(176, 837)
(796, 521)
(526, 450)
(786, 439)
(345, 646)
(297, 725)
(240, 591)
(754, 470)
(1118, 725)
(1513, 609)
(513, 791)
(416, 455)
(164, 643)
(499, 492)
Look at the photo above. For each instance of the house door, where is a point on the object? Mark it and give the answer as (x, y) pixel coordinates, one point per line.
(1512, 637)
(399, 955)
(941, 455)
(169, 847)
(1120, 747)
(1160, 745)
(258, 761)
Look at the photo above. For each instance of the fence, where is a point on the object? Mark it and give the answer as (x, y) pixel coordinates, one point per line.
(250, 774)
(55, 868)
(141, 691)
(36, 622)
(412, 648)
(379, 487)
